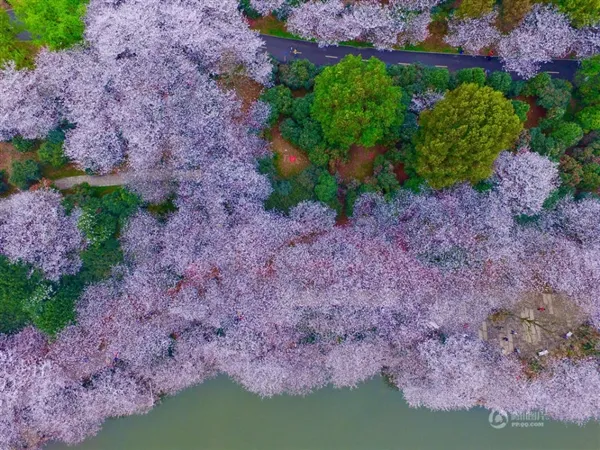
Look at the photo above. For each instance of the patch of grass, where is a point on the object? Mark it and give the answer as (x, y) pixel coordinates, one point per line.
(270, 25)
(360, 44)
(68, 170)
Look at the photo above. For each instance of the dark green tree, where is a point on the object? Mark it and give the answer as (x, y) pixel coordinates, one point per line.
(501, 81)
(280, 99)
(299, 74)
(25, 173)
(23, 145)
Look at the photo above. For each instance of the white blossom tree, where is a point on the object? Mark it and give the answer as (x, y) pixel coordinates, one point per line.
(34, 229)
(525, 180)
(544, 34)
(473, 34)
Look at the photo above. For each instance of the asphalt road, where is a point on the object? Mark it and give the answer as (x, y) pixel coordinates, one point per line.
(280, 48)
(284, 49)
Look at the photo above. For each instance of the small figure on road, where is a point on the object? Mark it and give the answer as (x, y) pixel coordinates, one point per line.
(460, 50)
(489, 55)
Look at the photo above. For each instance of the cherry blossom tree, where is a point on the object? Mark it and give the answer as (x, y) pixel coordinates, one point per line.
(473, 34)
(525, 180)
(544, 34)
(34, 229)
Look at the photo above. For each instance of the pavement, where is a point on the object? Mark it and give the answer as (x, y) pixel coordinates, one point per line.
(284, 50)
(118, 179)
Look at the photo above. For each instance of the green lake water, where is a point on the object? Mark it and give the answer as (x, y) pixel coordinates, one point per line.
(220, 415)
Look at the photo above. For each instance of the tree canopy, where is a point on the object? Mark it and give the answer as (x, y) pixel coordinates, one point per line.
(462, 135)
(57, 24)
(356, 102)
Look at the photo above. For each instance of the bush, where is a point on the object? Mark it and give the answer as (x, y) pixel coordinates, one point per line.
(327, 188)
(589, 118)
(52, 153)
(500, 81)
(567, 134)
(521, 109)
(301, 108)
(474, 75)
(280, 99)
(25, 173)
(288, 193)
(299, 74)
(23, 145)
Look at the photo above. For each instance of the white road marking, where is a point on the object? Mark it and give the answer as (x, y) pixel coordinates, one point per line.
(441, 66)
(333, 57)
(550, 72)
(404, 64)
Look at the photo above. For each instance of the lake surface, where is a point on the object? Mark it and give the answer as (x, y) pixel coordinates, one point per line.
(220, 415)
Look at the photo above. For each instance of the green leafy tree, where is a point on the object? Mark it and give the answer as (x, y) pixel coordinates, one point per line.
(583, 13)
(52, 153)
(474, 8)
(567, 134)
(462, 135)
(25, 173)
(281, 101)
(57, 24)
(589, 118)
(521, 109)
(326, 188)
(356, 102)
(299, 74)
(587, 81)
(500, 81)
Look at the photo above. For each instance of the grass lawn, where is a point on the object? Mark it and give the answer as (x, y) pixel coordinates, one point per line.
(289, 160)
(62, 172)
(270, 25)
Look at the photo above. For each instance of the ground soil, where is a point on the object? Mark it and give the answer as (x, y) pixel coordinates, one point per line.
(290, 160)
(400, 173)
(360, 162)
(4, 5)
(246, 89)
(535, 114)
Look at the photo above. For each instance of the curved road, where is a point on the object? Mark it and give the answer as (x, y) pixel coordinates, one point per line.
(280, 49)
